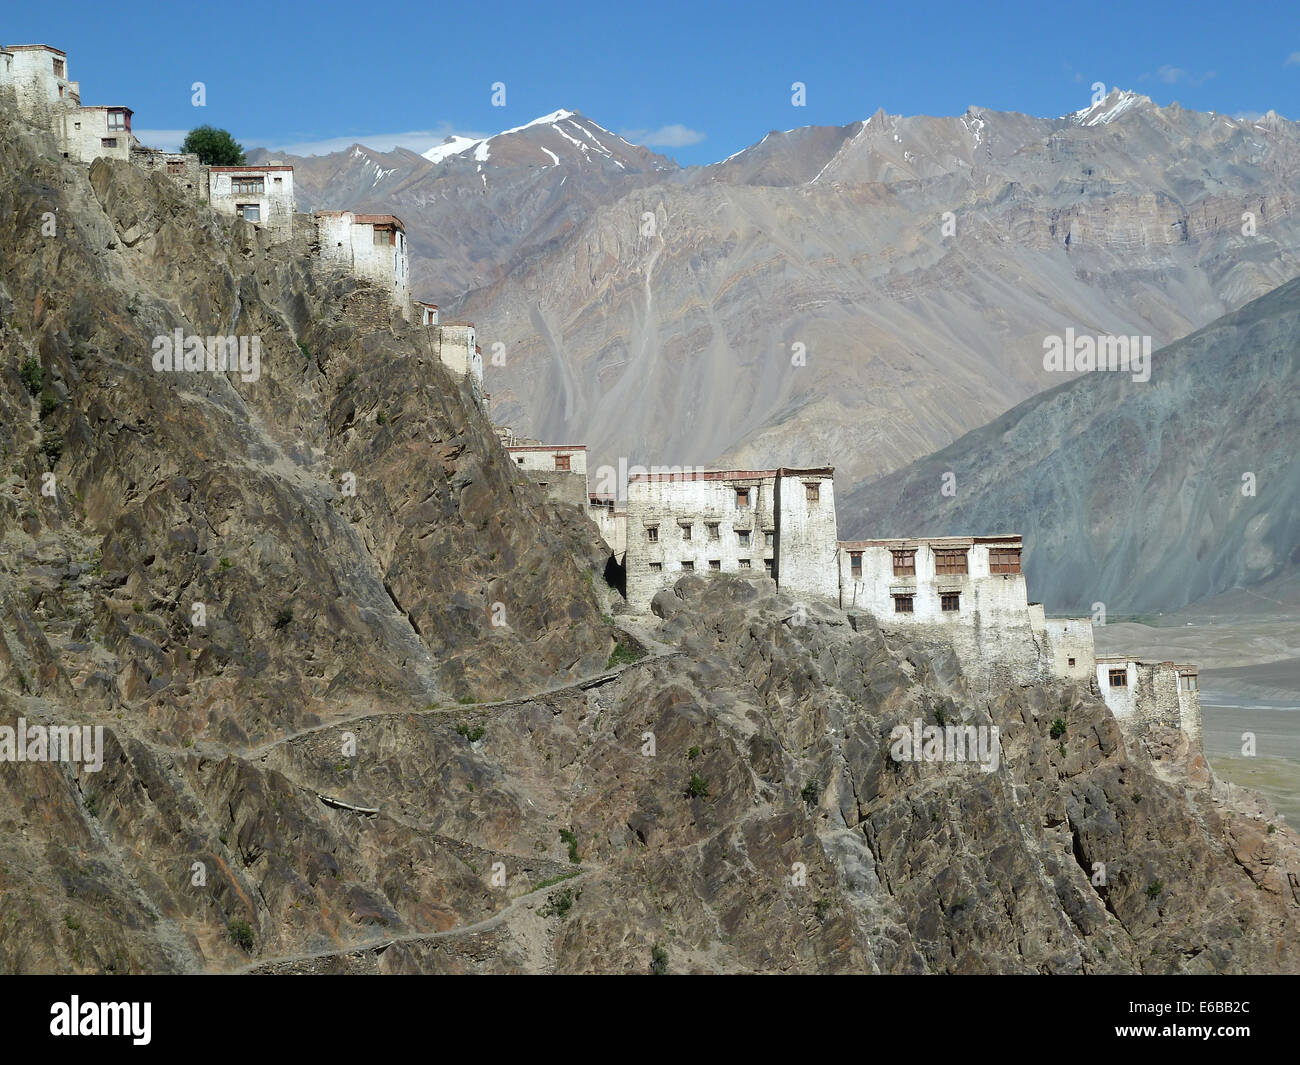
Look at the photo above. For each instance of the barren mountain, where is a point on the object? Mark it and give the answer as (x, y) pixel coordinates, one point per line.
(348, 767)
(1142, 495)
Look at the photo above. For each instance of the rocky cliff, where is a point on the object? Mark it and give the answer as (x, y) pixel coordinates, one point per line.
(349, 767)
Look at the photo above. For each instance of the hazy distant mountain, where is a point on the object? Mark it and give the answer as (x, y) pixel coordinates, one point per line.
(1131, 493)
(916, 263)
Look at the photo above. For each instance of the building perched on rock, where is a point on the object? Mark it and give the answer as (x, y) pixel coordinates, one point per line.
(371, 247)
(262, 195)
(34, 77)
(1142, 694)
(780, 522)
(456, 345)
(559, 468)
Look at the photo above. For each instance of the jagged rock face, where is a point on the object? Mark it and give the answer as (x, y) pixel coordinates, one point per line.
(1140, 495)
(319, 762)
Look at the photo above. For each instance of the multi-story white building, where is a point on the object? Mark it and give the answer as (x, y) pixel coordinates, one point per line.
(1141, 694)
(371, 247)
(779, 522)
(262, 195)
(456, 345)
(559, 468)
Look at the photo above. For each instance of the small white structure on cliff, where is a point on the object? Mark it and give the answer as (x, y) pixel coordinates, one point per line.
(371, 247)
(262, 195)
(780, 522)
(1141, 694)
(559, 468)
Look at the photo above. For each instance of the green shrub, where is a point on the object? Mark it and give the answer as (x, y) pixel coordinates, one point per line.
(1154, 888)
(52, 445)
(214, 147)
(693, 753)
(33, 374)
(1058, 729)
(241, 934)
(471, 734)
(622, 655)
(658, 961)
(698, 787)
(284, 618)
(568, 837)
(811, 793)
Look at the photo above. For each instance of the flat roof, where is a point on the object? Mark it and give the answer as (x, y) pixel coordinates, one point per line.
(377, 219)
(106, 107)
(942, 541)
(547, 447)
(1181, 667)
(250, 166)
(699, 474)
(34, 47)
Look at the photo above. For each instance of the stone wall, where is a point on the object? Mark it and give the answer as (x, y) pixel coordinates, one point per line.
(540, 462)
(40, 92)
(1152, 693)
(370, 247)
(1070, 648)
(456, 345)
(806, 534)
(183, 168)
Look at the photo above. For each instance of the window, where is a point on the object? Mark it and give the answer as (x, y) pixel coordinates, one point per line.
(279, 181)
(249, 212)
(1070, 662)
(744, 564)
(769, 565)
(562, 462)
(652, 534)
(811, 491)
(904, 563)
(715, 563)
(769, 538)
(688, 565)
(742, 497)
(686, 530)
(950, 561)
(251, 186)
(520, 460)
(855, 564)
(950, 601)
(1187, 681)
(1119, 678)
(175, 166)
(1004, 560)
(742, 537)
(902, 604)
(712, 526)
(108, 142)
(117, 121)
(383, 236)
(59, 68)
(656, 567)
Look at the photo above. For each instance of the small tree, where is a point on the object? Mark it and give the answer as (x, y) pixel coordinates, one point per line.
(214, 147)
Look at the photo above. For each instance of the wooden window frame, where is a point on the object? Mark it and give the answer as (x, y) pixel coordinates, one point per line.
(855, 564)
(951, 561)
(904, 562)
(563, 462)
(899, 600)
(953, 598)
(1004, 560)
(1118, 678)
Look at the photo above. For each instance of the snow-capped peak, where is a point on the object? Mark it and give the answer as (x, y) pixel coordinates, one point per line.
(1115, 104)
(481, 147)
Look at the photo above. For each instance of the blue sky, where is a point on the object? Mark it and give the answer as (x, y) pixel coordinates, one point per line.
(695, 80)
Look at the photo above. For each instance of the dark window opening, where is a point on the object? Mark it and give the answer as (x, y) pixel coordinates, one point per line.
(1119, 678)
(904, 563)
(1004, 560)
(903, 604)
(950, 601)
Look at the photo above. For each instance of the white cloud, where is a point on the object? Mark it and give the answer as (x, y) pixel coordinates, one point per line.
(673, 136)
(1172, 75)
(418, 141)
(1293, 60)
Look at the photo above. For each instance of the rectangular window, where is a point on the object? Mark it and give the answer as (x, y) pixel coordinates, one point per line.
(688, 565)
(1004, 560)
(175, 166)
(652, 534)
(562, 462)
(383, 236)
(520, 460)
(1187, 682)
(715, 563)
(811, 491)
(904, 563)
(769, 538)
(742, 497)
(712, 526)
(1070, 662)
(108, 142)
(656, 567)
(247, 186)
(279, 181)
(742, 537)
(1119, 678)
(855, 564)
(58, 68)
(950, 561)
(770, 566)
(117, 122)
(744, 563)
(249, 212)
(686, 530)
(902, 604)
(950, 601)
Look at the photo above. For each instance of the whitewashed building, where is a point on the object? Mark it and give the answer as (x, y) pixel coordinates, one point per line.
(561, 469)
(262, 195)
(776, 522)
(456, 345)
(371, 247)
(1141, 694)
